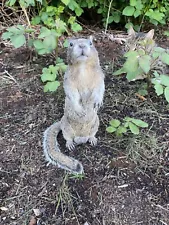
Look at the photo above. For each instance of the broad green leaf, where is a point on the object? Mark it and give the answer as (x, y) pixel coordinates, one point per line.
(158, 89)
(72, 19)
(139, 123)
(128, 11)
(44, 16)
(131, 76)
(44, 32)
(159, 49)
(6, 35)
(78, 11)
(110, 19)
(166, 94)
(144, 63)
(165, 58)
(116, 16)
(166, 33)
(38, 44)
(50, 42)
(119, 72)
(66, 2)
(137, 13)
(53, 69)
(43, 51)
(10, 2)
(115, 123)
(121, 130)
(164, 80)
(132, 54)
(14, 30)
(133, 2)
(51, 86)
(139, 5)
(143, 92)
(47, 77)
(66, 43)
(110, 129)
(134, 129)
(35, 20)
(61, 9)
(76, 27)
(18, 40)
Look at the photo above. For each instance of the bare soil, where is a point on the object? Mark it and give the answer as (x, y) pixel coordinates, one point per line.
(126, 179)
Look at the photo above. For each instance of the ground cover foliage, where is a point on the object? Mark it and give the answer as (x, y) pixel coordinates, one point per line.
(126, 176)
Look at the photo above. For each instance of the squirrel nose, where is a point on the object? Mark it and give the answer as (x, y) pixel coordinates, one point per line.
(81, 45)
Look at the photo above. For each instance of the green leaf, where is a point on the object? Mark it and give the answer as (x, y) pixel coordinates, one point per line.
(144, 63)
(66, 2)
(143, 92)
(6, 35)
(121, 130)
(128, 11)
(164, 79)
(131, 54)
(139, 123)
(159, 49)
(115, 123)
(48, 77)
(42, 51)
(38, 44)
(158, 89)
(133, 2)
(165, 58)
(76, 27)
(166, 33)
(72, 19)
(110, 129)
(78, 11)
(137, 13)
(119, 72)
(134, 129)
(66, 43)
(51, 86)
(166, 94)
(50, 42)
(11, 2)
(18, 40)
(44, 32)
(35, 20)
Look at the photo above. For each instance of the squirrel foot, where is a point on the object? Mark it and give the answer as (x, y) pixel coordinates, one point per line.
(70, 145)
(93, 141)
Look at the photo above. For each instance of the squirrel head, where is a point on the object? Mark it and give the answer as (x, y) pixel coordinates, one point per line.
(81, 50)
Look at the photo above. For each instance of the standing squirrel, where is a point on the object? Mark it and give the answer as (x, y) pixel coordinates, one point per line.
(84, 89)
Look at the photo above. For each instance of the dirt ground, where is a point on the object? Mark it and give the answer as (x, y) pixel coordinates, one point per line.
(126, 180)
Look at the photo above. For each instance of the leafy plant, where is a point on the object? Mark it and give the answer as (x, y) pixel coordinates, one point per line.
(49, 76)
(53, 25)
(128, 123)
(145, 63)
(161, 85)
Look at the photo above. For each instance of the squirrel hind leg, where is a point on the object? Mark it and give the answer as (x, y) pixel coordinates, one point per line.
(81, 140)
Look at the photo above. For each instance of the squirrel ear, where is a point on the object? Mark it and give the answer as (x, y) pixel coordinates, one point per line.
(131, 32)
(150, 34)
(91, 38)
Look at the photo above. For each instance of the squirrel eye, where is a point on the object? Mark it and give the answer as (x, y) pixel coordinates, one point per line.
(71, 44)
(91, 43)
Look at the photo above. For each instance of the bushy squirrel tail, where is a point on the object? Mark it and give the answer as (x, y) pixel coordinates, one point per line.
(53, 154)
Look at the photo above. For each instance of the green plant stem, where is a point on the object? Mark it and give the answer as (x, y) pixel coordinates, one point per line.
(56, 50)
(108, 14)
